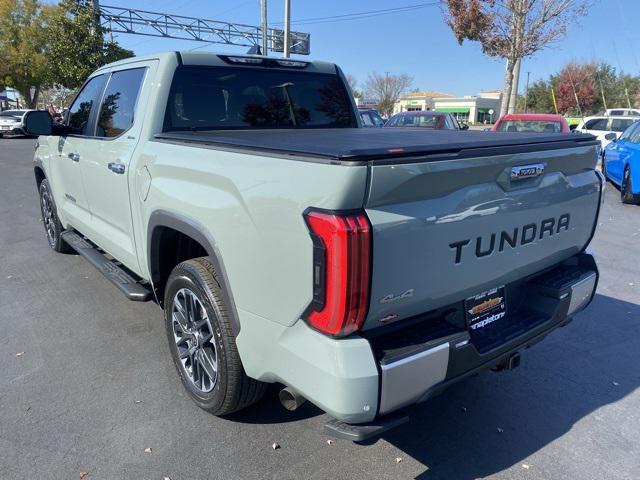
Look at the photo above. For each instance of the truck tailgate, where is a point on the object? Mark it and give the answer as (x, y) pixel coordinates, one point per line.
(448, 228)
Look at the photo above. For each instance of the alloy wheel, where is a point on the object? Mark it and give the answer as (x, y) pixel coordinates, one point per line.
(193, 335)
(48, 217)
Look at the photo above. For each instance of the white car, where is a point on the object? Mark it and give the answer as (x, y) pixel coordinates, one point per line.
(601, 126)
(11, 122)
(622, 112)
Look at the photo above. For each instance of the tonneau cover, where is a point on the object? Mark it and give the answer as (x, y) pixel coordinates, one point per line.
(361, 144)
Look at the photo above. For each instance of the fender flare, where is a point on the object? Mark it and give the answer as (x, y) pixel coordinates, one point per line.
(197, 231)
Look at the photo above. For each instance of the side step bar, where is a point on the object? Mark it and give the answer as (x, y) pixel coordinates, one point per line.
(364, 431)
(124, 281)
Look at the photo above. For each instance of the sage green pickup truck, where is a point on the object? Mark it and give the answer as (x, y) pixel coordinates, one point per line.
(364, 270)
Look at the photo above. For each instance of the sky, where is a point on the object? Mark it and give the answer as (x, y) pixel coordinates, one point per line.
(415, 42)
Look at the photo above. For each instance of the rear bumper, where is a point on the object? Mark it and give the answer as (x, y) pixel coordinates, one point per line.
(546, 302)
(357, 379)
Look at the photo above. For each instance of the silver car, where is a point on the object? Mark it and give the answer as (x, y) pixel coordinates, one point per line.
(11, 122)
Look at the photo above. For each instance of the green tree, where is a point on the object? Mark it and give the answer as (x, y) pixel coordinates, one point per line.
(78, 45)
(23, 47)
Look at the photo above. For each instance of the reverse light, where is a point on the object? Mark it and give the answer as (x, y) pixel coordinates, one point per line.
(341, 271)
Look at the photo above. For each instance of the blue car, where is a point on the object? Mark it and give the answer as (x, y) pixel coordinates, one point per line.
(621, 163)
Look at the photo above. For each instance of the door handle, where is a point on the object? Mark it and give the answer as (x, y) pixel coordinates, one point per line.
(74, 156)
(116, 167)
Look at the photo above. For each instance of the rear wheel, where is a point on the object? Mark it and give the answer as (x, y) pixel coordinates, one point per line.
(626, 190)
(202, 342)
(50, 219)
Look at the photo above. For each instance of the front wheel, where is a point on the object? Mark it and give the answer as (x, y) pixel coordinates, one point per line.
(626, 190)
(202, 342)
(50, 219)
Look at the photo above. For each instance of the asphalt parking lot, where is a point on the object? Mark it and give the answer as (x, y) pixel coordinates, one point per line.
(96, 386)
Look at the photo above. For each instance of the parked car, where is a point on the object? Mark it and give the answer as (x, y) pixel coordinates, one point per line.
(602, 125)
(622, 112)
(621, 163)
(531, 122)
(370, 117)
(364, 269)
(11, 122)
(426, 119)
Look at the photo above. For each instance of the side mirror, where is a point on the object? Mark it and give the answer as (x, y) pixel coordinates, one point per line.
(37, 122)
(464, 126)
(612, 137)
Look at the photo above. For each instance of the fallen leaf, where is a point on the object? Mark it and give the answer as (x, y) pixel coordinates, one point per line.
(329, 442)
(147, 450)
(19, 354)
(275, 446)
(398, 459)
(499, 430)
(137, 401)
(166, 478)
(83, 474)
(10, 276)
(525, 466)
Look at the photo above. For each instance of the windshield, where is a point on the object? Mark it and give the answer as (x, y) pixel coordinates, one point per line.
(222, 98)
(12, 113)
(537, 126)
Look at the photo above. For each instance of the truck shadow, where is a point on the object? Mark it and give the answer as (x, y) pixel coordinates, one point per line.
(494, 421)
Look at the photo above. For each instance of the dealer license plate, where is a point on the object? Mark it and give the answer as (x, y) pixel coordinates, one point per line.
(485, 308)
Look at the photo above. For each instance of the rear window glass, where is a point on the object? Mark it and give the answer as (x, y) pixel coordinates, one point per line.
(536, 126)
(220, 98)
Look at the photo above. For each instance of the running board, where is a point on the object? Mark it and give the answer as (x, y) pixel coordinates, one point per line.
(124, 281)
(364, 431)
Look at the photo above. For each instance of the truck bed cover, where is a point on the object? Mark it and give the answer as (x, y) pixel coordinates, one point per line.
(378, 144)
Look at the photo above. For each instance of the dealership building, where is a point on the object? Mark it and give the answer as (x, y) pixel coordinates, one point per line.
(481, 108)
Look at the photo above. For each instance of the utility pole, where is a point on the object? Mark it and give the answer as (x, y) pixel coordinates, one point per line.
(96, 15)
(287, 27)
(526, 94)
(264, 28)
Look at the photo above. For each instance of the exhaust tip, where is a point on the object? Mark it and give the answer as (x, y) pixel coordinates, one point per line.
(290, 399)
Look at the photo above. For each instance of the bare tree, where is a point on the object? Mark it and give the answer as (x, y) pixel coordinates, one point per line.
(512, 29)
(353, 85)
(386, 89)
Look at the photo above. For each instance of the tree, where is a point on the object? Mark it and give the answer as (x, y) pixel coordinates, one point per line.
(386, 89)
(23, 47)
(78, 46)
(353, 85)
(576, 89)
(511, 29)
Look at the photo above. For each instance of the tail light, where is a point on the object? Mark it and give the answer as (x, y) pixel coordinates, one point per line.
(341, 271)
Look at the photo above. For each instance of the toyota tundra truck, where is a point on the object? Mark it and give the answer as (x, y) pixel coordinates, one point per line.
(363, 270)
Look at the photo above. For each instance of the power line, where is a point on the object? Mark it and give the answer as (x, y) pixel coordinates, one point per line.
(361, 15)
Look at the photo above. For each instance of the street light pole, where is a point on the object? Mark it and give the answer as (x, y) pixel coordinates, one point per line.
(287, 27)
(264, 27)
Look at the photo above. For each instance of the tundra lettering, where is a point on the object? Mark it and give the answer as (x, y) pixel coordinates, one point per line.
(528, 236)
(285, 244)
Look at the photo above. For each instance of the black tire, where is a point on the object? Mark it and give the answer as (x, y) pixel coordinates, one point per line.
(626, 189)
(50, 220)
(232, 389)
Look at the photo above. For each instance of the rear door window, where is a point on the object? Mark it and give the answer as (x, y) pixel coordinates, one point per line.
(79, 116)
(221, 98)
(119, 102)
(620, 124)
